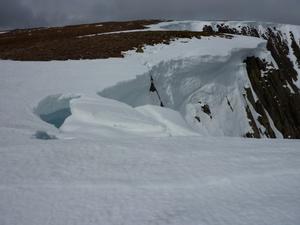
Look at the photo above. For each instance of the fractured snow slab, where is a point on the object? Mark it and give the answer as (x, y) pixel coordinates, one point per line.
(104, 117)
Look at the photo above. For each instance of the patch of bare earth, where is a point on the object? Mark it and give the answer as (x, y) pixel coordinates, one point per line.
(85, 41)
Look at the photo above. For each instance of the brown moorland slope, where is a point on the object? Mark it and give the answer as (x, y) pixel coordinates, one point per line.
(92, 41)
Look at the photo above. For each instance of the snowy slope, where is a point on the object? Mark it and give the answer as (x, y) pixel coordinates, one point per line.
(285, 31)
(116, 157)
(173, 180)
(262, 27)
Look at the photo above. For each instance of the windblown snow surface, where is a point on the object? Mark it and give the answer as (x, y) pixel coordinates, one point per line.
(83, 142)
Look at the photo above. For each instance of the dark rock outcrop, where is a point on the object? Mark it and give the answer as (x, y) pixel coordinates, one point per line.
(278, 96)
(206, 109)
(275, 97)
(280, 50)
(296, 48)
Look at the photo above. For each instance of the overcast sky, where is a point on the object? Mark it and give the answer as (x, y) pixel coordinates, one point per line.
(32, 13)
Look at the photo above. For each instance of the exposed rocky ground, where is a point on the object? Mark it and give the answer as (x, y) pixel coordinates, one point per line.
(94, 41)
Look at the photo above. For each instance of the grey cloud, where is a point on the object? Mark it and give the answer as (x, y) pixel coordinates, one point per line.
(24, 13)
(14, 14)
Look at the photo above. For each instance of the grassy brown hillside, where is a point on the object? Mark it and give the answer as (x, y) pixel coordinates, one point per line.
(92, 41)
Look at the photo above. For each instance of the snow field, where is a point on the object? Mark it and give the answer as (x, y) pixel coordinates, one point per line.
(173, 180)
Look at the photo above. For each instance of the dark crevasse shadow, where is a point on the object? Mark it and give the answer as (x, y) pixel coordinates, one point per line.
(57, 118)
(54, 109)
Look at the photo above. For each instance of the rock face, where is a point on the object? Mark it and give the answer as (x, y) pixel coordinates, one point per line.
(277, 96)
(295, 48)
